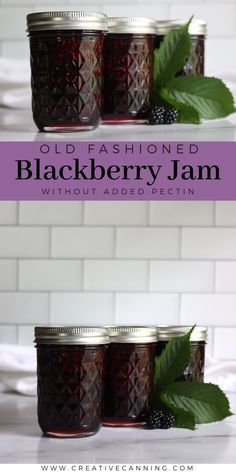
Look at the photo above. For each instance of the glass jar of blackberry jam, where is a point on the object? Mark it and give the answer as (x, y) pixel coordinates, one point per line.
(66, 50)
(194, 371)
(70, 370)
(129, 375)
(128, 69)
(197, 30)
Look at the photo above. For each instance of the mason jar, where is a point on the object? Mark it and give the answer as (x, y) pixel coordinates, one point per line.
(194, 371)
(129, 375)
(66, 50)
(70, 371)
(128, 71)
(195, 63)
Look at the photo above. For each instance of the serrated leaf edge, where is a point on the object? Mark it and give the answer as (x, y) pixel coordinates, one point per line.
(206, 384)
(186, 78)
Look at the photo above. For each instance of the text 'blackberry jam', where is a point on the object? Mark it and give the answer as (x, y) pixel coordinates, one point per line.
(195, 63)
(194, 371)
(128, 69)
(66, 50)
(129, 375)
(70, 369)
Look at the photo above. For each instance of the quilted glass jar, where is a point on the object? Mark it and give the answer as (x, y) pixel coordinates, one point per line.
(66, 50)
(194, 371)
(70, 370)
(197, 30)
(129, 374)
(128, 69)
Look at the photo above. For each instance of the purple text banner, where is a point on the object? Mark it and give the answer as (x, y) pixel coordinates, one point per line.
(117, 170)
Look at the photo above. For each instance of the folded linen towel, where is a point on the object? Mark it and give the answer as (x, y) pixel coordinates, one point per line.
(18, 369)
(222, 373)
(14, 83)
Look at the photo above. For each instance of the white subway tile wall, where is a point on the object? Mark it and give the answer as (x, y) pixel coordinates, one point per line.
(119, 262)
(221, 42)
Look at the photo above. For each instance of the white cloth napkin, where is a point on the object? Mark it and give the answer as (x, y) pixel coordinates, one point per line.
(15, 83)
(18, 369)
(222, 373)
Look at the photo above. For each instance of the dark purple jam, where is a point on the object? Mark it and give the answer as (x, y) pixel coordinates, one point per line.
(129, 374)
(70, 389)
(195, 63)
(66, 79)
(127, 76)
(194, 372)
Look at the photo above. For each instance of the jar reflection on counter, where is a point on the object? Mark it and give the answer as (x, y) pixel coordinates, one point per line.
(70, 370)
(194, 371)
(195, 64)
(129, 375)
(128, 70)
(66, 51)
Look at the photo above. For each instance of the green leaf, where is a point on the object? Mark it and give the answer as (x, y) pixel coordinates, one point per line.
(208, 95)
(172, 55)
(172, 361)
(183, 419)
(206, 402)
(187, 113)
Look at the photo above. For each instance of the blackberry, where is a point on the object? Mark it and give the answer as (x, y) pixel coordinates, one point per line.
(155, 115)
(170, 116)
(160, 419)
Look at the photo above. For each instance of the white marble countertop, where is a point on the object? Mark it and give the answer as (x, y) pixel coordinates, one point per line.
(21, 441)
(17, 125)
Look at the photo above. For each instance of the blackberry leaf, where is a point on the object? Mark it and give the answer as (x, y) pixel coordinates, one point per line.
(183, 419)
(206, 402)
(172, 54)
(208, 95)
(187, 113)
(172, 361)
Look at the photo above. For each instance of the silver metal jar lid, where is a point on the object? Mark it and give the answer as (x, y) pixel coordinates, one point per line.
(67, 20)
(164, 333)
(71, 335)
(133, 334)
(196, 27)
(132, 24)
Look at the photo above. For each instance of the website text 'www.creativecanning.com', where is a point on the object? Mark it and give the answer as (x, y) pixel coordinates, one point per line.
(117, 468)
